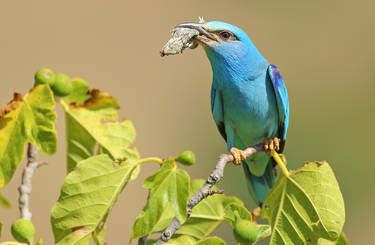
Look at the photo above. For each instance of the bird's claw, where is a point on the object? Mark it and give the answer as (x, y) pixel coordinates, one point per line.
(272, 144)
(255, 214)
(238, 155)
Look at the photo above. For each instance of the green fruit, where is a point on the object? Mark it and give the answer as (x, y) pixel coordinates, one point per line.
(23, 231)
(45, 76)
(62, 86)
(186, 158)
(244, 231)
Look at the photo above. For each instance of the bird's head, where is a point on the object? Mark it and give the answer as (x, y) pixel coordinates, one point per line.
(218, 36)
(228, 47)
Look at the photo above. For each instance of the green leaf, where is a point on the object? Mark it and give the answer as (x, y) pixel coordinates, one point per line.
(207, 215)
(179, 240)
(28, 119)
(263, 232)
(305, 206)
(188, 240)
(169, 193)
(80, 93)
(4, 202)
(240, 208)
(96, 123)
(1, 228)
(341, 241)
(211, 241)
(182, 240)
(87, 196)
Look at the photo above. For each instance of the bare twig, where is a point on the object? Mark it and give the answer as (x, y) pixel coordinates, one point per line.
(206, 191)
(25, 187)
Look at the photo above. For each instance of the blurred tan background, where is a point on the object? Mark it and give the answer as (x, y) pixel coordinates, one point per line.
(325, 50)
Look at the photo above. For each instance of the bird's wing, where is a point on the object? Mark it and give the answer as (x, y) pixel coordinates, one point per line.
(282, 101)
(217, 110)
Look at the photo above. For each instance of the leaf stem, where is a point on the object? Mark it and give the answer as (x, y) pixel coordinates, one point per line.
(280, 162)
(60, 101)
(150, 159)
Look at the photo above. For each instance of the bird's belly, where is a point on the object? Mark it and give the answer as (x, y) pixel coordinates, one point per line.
(251, 128)
(252, 121)
(252, 115)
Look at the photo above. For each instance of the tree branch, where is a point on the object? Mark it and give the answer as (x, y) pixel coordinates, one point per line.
(25, 187)
(205, 191)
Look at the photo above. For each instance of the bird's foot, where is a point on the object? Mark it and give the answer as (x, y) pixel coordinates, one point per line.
(255, 214)
(272, 144)
(238, 155)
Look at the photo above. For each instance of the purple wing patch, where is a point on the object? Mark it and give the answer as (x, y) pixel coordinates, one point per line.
(282, 101)
(275, 75)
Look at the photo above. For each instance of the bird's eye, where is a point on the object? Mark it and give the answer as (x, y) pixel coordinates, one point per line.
(225, 34)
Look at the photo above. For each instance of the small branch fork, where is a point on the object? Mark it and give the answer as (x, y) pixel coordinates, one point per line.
(25, 187)
(204, 192)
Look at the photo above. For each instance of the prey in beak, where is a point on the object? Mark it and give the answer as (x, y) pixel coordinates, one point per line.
(189, 35)
(203, 36)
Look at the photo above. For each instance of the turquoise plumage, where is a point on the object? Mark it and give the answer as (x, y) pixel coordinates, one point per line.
(249, 100)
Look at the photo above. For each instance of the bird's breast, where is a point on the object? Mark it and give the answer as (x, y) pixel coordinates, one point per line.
(250, 108)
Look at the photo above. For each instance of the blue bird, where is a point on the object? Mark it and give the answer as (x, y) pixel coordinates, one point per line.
(249, 100)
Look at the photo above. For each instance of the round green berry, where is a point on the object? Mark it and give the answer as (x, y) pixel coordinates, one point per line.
(186, 158)
(23, 231)
(244, 231)
(45, 76)
(63, 85)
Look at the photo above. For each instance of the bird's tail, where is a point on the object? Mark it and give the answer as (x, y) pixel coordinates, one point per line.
(260, 185)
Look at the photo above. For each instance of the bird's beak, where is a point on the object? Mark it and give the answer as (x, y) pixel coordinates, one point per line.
(204, 36)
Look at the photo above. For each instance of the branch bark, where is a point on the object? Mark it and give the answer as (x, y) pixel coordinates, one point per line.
(206, 191)
(25, 187)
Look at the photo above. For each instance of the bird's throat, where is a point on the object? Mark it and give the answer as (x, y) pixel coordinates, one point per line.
(229, 67)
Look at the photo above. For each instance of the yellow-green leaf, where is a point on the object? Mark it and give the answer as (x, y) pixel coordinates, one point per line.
(28, 119)
(169, 193)
(211, 241)
(188, 240)
(80, 92)
(305, 206)
(341, 241)
(88, 194)
(208, 214)
(96, 123)
(182, 240)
